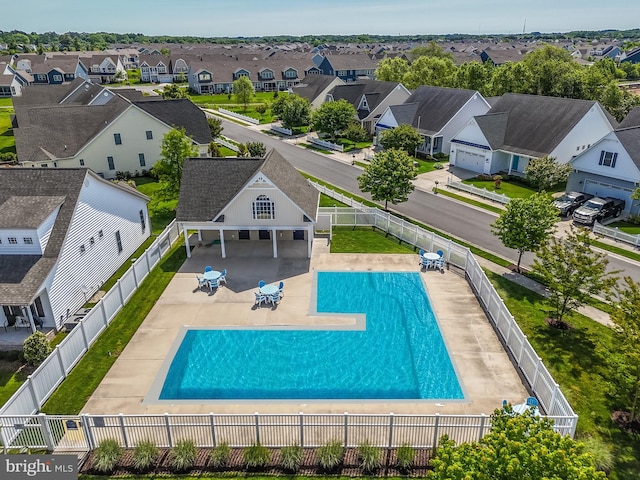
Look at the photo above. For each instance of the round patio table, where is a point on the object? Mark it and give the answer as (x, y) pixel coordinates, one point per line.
(268, 289)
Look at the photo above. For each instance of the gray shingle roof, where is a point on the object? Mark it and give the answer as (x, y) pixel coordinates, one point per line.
(632, 119)
(209, 184)
(374, 90)
(27, 211)
(180, 113)
(630, 140)
(312, 85)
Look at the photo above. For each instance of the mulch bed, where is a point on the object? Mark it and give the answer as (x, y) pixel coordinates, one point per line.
(350, 466)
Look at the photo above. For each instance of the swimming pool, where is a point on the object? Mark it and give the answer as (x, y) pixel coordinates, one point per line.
(400, 354)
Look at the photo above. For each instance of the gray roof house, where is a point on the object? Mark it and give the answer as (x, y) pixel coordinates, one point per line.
(437, 113)
(85, 125)
(63, 233)
(315, 88)
(370, 99)
(230, 199)
(522, 127)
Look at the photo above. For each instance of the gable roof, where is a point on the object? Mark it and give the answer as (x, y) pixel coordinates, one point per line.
(535, 124)
(632, 119)
(180, 112)
(313, 85)
(209, 184)
(432, 106)
(375, 91)
(630, 140)
(38, 208)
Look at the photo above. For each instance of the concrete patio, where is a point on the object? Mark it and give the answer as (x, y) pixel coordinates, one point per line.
(484, 370)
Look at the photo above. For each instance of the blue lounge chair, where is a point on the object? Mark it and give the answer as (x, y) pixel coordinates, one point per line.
(208, 268)
(223, 277)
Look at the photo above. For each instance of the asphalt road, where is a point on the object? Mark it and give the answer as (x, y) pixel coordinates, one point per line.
(457, 219)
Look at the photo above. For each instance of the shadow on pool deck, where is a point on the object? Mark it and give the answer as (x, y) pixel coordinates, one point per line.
(484, 370)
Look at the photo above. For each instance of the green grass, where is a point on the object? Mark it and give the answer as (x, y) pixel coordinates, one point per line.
(6, 102)
(316, 148)
(617, 250)
(510, 188)
(162, 210)
(327, 201)
(7, 141)
(75, 390)
(626, 227)
(366, 240)
(577, 360)
(267, 117)
(470, 201)
(349, 145)
(425, 166)
(223, 99)
(227, 152)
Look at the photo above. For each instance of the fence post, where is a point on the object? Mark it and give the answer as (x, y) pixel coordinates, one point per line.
(535, 374)
(88, 433)
(146, 256)
(257, 416)
(59, 355)
(483, 418)
(32, 390)
(435, 434)
(123, 430)
(84, 335)
(524, 339)
(168, 425)
(120, 288)
(213, 429)
(390, 431)
(46, 431)
(554, 395)
(135, 277)
(104, 313)
(301, 430)
(346, 425)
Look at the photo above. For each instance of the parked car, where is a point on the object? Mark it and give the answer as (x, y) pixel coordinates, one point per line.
(570, 201)
(597, 209)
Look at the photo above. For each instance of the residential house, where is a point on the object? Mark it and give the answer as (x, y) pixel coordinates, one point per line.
(521, 127)
(437, 113)
(501, 56)
(370, 98)
(632, 56)
(63, 233)
(247, 199)
(86, 125)
(315, 88)
(50, 69)
(349, 67)
(155, 68)
(105, 68)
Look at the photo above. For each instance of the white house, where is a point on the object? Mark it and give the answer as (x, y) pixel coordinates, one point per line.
(437, 113)
(63, 233)
(247, 199)
(521, 127)
(610, 167)
(315, 88)
(96, 128)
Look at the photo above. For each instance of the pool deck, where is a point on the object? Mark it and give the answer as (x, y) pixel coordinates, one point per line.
(486, 374)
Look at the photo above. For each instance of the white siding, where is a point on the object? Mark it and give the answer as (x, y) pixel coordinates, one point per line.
(477, 105)
(625, 168)
(101, 206)
(397, 97)
(44, 230)
(20, 248)
(591, 128)
(387, 119)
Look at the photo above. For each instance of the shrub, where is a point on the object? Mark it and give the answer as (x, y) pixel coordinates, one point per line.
(601, 452)
(184, 455)
(355, 133)
(145, 455)
(291, 457)
(220, 455)
(36, 348)
(438, 166)
(107, 455)
(256, 456)
(8, 157)
(370, 457)
(634, 219)
(405, 456)
(330, 455)
(261, 109)
(243, 151)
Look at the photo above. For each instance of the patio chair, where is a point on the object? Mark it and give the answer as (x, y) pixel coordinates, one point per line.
(532, 402)
(208, 268)
(421, 252)
(261, 283)
(440, 252)
(425, 263)
(213, 283)
(223, 277)
(260, 298)
(439, 264)
(281, 289)
(274, 299)
(201, 281)
(21, 322)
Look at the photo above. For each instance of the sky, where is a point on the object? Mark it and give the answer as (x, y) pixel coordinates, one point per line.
(224, 18)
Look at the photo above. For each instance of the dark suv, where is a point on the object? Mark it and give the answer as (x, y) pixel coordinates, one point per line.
(569, 201)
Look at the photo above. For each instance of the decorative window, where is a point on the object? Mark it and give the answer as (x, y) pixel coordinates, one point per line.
(92, 241)
(27, 240)
(57, 78)
(149, 134)
(82, 162)
(41, 77)
(608, 159)
(117, 138)
(112, 165)
(263, 208)
(12, 240)
(141, 158)
(119, 241)
(82, 249)
(100, 234)
(142, 221)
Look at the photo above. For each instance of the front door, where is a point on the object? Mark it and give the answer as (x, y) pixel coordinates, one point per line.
(515, 162)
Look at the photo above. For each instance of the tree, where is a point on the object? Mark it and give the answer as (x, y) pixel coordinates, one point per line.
(572, 272)
(473, 76)
(391, 69)
(243, 151)
(292, 110)
(356, 133)
(256, 149)
(513, 77)
(176, 146)
(388, 177)
(438, 72)
(403, 137)
(174, 91)
(545, 173)
(333, 117)
(214, 150)
(626, 317)
(518, 446)
(431, 49)
(243, 91)
(526, 223)
(215, 125)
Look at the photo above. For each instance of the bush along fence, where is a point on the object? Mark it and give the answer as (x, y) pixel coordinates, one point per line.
(616, 234)
(325, 144)
(55, 368)
(481, 192)
(520, 350)
(239, 116)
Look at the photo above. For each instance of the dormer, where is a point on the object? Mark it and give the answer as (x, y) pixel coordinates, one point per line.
(266, 74)
(241, 72)
(363, 105)
(290, 73)
(26, 223)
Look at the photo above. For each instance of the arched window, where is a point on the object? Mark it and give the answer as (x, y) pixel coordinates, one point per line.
(263, 208)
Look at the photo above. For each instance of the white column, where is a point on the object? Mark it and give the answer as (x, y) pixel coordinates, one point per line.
(224, 252)
(510, 163)
(275, 243)
(309, 240)
(199, 235)
(186, 241)
(27, 312)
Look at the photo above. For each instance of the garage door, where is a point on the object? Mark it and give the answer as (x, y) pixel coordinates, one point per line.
(470, 161)
(600, 189)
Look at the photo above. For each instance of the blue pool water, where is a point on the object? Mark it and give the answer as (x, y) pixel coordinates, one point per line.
(400, 355)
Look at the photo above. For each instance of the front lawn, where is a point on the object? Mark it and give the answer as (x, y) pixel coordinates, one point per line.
(228, 99)
(511, 188)
(6, 102)
(349, 145)
(626, 227)
(7, 141)
(425, 166)
(267, 117)
(162, 209)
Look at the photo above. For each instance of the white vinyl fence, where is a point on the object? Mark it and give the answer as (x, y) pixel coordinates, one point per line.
(228, 144)
(239, 116)
(284, 131)
(325, 144)
(481, 192)
(46, 378)
(616, 234)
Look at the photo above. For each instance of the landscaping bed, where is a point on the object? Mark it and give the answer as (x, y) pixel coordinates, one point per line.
(310, 466)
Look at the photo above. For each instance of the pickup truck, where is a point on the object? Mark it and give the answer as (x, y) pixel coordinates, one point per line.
(570, 201)
(598, 209)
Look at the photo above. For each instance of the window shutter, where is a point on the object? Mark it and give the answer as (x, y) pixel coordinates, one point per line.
(613, 161)
(601, 157)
